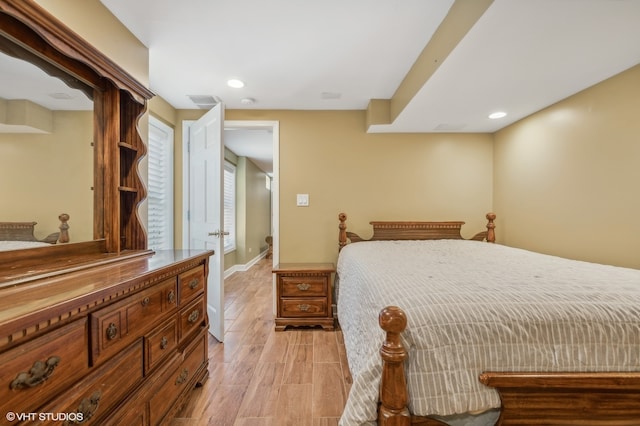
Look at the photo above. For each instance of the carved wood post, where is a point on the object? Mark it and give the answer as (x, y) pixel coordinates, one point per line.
(491, 234)
(342, 236)
(64, 228)
(393, 409)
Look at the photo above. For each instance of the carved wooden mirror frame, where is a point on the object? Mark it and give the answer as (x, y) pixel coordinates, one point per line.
(119, 101)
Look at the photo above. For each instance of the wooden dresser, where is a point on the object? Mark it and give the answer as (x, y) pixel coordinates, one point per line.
(120, 339)
(304, 295)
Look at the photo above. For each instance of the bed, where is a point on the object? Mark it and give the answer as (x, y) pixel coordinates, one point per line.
(441, 330)
(21, 235)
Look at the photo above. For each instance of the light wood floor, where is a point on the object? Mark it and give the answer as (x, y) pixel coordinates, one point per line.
(298, 377)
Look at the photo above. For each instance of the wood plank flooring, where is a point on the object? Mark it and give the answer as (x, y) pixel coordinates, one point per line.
(298, 377)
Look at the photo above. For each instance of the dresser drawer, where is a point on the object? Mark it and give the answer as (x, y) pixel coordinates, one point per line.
(97, 395)
(191, 284)
(177, 378)
(117, 325)
(38, 370)
(307, 307)
(192, 316)
(160, 342)
(303, 286)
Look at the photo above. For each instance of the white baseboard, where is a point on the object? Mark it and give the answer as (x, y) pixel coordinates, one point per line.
(243, 268)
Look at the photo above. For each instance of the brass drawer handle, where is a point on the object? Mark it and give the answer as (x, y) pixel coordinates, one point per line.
(304, 307)
(303, 286)
(171, 297)
(87, 409)
(193, 316)
(193, 283)
(39, 372)
(182, 377)
(164, 342)
(145, 301)
(112, 331)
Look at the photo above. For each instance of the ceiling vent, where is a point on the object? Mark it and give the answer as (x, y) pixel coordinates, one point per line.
(204, 101)
(449, 127)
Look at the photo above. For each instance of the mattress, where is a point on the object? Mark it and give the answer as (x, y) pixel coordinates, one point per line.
(473, 307)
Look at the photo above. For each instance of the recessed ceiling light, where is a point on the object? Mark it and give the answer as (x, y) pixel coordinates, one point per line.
(235, 83)
(498, 114)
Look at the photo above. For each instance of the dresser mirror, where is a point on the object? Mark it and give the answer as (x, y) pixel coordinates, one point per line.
(85, 162)
(46, 149)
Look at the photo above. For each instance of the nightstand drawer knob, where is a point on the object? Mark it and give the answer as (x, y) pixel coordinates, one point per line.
(303, 286)
(304, 307)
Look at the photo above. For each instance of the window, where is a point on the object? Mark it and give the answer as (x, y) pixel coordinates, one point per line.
(160, 186)
(229, 206)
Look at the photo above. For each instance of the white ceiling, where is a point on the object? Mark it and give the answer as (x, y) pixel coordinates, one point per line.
(520, 56)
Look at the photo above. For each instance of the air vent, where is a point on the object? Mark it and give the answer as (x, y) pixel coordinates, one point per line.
(330, 95)
(448, 127)
(204, 101)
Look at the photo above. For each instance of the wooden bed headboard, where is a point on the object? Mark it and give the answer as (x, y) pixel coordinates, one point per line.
(415, 231)
(24, 231)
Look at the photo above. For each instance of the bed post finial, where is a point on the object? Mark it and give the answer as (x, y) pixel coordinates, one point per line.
(64, 228)
(491, 234)
(342, 236)
(393, 387)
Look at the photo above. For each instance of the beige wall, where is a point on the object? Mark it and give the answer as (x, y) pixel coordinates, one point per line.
(253, 201)
(566, 178)
(328, 155)
(94, 23)
(44, 175)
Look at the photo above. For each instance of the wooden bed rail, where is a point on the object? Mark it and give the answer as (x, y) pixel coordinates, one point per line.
(414, 231)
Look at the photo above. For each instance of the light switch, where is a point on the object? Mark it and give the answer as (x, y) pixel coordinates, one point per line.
(302, 200)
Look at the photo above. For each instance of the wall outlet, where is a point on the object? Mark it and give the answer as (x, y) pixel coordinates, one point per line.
(302, 200)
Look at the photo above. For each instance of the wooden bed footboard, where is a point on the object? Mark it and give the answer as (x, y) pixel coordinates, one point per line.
(538, 398)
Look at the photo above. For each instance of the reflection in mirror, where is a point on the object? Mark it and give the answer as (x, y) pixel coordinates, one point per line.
(46, 153)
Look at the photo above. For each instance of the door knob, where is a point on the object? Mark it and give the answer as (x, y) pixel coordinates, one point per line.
(218, 233)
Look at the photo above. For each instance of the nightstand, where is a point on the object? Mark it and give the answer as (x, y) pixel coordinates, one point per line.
(303, 292)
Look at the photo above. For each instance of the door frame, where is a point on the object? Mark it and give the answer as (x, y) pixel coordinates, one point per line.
(275, 183)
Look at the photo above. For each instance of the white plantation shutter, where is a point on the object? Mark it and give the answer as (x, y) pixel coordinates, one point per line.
(160, 186)
(229, 206)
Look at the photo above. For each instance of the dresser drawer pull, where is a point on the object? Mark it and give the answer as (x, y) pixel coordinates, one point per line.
(112, 331)
(182, 377)
(304, 307)
(193, 316)
(37, 375)
(303, 286)
(145, 301)
(87, 408)
(194, 283)
(171, 297)
(164, 343)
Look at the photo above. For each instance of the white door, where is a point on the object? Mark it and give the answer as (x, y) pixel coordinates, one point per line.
(206, 208)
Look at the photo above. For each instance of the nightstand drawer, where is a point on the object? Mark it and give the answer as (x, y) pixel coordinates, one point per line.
(303, 286)
(307, 307)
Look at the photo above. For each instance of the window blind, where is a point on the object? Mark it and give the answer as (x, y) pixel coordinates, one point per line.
(160, 186)
(229, 206)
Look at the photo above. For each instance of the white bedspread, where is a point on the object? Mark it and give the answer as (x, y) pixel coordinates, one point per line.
(473, 306)
(16, 245)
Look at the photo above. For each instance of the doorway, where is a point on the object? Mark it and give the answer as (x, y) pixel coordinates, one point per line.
(272, 127)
